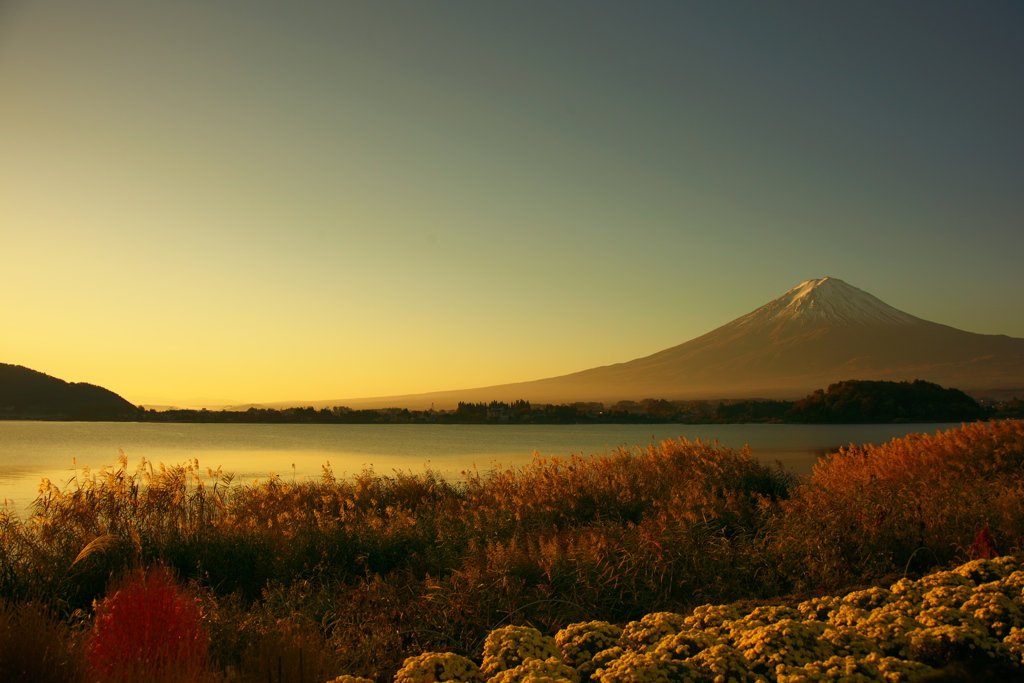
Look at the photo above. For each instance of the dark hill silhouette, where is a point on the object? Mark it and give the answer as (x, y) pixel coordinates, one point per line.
(32, 394)
(817, 333)
(867, 401)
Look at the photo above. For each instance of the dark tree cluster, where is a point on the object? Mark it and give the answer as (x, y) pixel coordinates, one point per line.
(868, 401)
(753, 411)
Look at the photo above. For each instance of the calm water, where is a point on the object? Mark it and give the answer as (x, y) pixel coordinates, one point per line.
(32, 450)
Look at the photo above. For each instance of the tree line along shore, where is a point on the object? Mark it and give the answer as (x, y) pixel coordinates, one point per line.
(27, 394)
(852, 401)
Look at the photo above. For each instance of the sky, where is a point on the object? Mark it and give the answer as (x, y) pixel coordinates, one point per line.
(221, 201)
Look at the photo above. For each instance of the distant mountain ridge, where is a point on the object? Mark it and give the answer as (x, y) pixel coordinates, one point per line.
(28, 393)
(820, 332)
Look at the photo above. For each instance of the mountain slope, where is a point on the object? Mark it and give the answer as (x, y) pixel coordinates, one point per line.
(28, 393)
(821, 331)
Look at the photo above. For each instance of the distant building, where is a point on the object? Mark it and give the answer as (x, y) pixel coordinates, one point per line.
(500, 412)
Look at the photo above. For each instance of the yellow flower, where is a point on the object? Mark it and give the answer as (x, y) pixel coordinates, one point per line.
(579, 643)
(434, 667)
(645, 633)
(647, 667)
(509, 646)
(551, 670)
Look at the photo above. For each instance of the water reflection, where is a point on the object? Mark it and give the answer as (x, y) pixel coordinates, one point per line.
(32, 450)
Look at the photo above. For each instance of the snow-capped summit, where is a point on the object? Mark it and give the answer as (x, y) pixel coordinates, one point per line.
(828, 300)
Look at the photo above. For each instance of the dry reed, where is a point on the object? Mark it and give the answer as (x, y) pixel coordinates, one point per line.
(353, 574)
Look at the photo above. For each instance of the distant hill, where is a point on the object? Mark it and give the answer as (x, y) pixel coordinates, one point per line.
(813, 335)
(26, 393)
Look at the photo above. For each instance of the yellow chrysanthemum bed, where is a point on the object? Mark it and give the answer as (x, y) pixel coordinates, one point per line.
(973, 615)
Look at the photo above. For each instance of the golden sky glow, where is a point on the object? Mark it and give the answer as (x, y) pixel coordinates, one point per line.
(255, 201)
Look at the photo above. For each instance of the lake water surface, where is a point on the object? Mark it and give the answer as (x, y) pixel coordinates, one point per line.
(32, 450)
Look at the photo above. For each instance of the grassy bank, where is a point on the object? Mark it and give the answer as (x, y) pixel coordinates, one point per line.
(303, 582)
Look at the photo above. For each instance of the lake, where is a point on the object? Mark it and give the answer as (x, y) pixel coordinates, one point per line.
(32, 450)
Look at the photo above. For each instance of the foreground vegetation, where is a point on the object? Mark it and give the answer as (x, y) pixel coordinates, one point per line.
(971, 615)
(309, 581)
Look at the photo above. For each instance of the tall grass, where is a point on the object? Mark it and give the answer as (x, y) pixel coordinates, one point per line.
(38, 646)
(305, 580)
(907, 505)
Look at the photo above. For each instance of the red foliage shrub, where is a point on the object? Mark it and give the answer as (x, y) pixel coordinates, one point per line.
(148, 630)
(983, 547)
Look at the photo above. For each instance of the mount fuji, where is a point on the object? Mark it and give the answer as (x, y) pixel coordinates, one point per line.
(820, 332)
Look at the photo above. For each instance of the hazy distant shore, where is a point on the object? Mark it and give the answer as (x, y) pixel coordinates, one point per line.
(849, 402)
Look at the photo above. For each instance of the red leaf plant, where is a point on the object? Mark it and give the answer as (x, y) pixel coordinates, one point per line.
(983, 547)
(148, 630)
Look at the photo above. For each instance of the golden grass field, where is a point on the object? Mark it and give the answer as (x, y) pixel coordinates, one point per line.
(186, 576)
